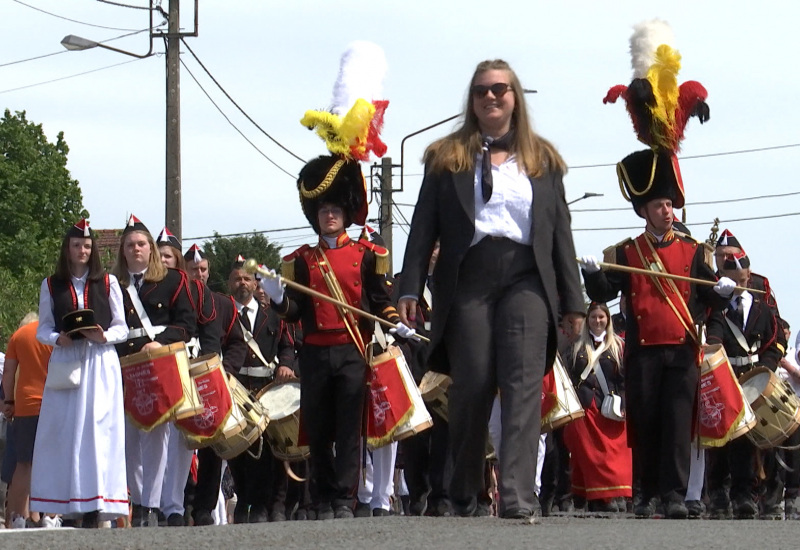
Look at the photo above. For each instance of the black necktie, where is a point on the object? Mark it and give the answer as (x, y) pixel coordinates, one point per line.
(736, 314)
(137, 281)
(246, 319)
(504, 144)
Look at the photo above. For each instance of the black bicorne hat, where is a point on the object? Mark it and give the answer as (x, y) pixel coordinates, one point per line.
(335, 180)
(648, 175)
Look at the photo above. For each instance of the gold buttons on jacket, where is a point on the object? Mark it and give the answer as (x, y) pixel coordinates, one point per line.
(686, 268)
(158, 305)
(355, 264)
(320, 325)
(355, 283)
(361, 249)
(642, 341)
(316, 304)
(682, 339)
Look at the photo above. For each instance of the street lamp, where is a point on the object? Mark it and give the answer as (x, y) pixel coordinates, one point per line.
(585, 196)
(77, 43)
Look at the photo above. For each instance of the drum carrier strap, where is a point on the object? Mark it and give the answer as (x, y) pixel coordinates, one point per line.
(148, 329)
(254, 347)
(752, 356)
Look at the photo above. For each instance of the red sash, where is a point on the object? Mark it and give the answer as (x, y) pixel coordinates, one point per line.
(549, 394)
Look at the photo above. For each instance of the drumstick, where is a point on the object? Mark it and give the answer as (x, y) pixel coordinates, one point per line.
(251, 266)
(639, 270)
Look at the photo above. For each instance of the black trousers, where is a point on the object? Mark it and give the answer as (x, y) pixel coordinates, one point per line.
(737, 460)
(259, 481)
(426, 463)
(661, 389)
(209, 476)
(792, 459)
(496, 338)
(333, 384)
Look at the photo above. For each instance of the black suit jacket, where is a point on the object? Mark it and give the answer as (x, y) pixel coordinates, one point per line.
(760, 326)
(446, 211)
(273, 341)
(234, 348)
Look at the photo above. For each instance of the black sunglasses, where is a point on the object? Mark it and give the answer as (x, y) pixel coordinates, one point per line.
(498, 89)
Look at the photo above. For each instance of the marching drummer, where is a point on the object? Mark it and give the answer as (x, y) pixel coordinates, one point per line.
(260, 483)
(233, 350)
(748, 331)
(158, 311)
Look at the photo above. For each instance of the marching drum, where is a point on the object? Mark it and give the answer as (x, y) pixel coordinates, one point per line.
(775, 405)
(395, 404)
(245, 424)
(723, 412)
(433, 388)
(560, 404)
(158, 387)
(282, 405)
(212, 387)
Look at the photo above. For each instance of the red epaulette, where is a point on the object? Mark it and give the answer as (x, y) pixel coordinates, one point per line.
(287, 264)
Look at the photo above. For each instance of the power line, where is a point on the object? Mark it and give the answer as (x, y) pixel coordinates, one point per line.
(33, 58)
(699, 203)
(687, 157)
(790, 214)
(281, 230)
(68, 77)
(124, 5)
(72, 20)
(211, 76)
(279, 167)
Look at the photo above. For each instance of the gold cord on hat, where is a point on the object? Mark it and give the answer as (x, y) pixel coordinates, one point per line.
(326, 183)
(625, 180)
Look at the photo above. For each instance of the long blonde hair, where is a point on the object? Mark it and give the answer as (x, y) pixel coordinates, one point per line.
(457, 151)
(156, 270)
(613, 343)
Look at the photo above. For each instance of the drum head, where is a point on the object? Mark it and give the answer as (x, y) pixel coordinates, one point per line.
(755, 386)
(281, 400)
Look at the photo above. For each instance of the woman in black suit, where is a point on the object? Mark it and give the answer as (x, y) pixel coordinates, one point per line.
(493, 196)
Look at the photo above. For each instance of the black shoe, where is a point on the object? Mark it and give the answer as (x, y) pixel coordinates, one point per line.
(744, 507)
(137, 517)
(203, 517)
(772, 511)
(343, 512)
(696, 508)
(362, 510)
(416, 508)
(645, 509)
(325, 512)
(405, 504)
(465, 509)
(440, 508)
(301, 515)
(277, 515)
(161, 518)
(529, 516)
(380, 512)
(311, 514)
(176, 520)
(676, 509)
(482, 510)
(719, 506)
(602, 506)
(90, 520)
(241, 512)
(258, 514)
(790, 508)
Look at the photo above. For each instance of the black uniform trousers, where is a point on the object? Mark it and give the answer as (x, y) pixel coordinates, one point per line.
(496, 338)
(259, 482)
(333, 389)
(661, 390)
(427, 466)
(737, 459)
(209, 476)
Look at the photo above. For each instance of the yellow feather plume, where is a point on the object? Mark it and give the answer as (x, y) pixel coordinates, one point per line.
(663, 77)
(342, 135)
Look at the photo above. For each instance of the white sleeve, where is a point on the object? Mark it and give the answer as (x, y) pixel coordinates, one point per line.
(46, 332)
(118, 329)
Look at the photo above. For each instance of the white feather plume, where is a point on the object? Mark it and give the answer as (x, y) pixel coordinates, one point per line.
(646, 38)
(361, 72)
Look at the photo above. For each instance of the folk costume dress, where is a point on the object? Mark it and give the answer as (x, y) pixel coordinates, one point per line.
(601, 459)
(79, 457)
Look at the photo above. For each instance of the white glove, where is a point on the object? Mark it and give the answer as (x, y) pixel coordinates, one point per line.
(403, 331)
(590, 264)
(273, 286)
(725, 287)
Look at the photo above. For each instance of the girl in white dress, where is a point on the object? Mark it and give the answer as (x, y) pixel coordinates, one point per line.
(79, 455)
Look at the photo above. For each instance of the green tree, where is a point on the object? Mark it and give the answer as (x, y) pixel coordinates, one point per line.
(222, 253)
(39, 200)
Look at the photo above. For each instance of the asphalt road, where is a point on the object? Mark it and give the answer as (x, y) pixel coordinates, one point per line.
(415, 532)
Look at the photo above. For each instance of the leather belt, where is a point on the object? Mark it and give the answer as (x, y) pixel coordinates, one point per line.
(744, 360)
(257, 372)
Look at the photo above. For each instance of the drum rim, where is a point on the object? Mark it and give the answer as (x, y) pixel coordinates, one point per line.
(174, 348)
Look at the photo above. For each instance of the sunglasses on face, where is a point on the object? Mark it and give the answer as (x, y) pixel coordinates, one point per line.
(498, 89)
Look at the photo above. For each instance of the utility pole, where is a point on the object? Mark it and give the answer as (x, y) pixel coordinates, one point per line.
(386, 203)
(173, 145)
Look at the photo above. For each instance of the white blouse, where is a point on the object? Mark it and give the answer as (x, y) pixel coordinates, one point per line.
(509, 212)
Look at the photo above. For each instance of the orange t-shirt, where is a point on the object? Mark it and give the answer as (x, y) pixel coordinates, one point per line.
(33, 357)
